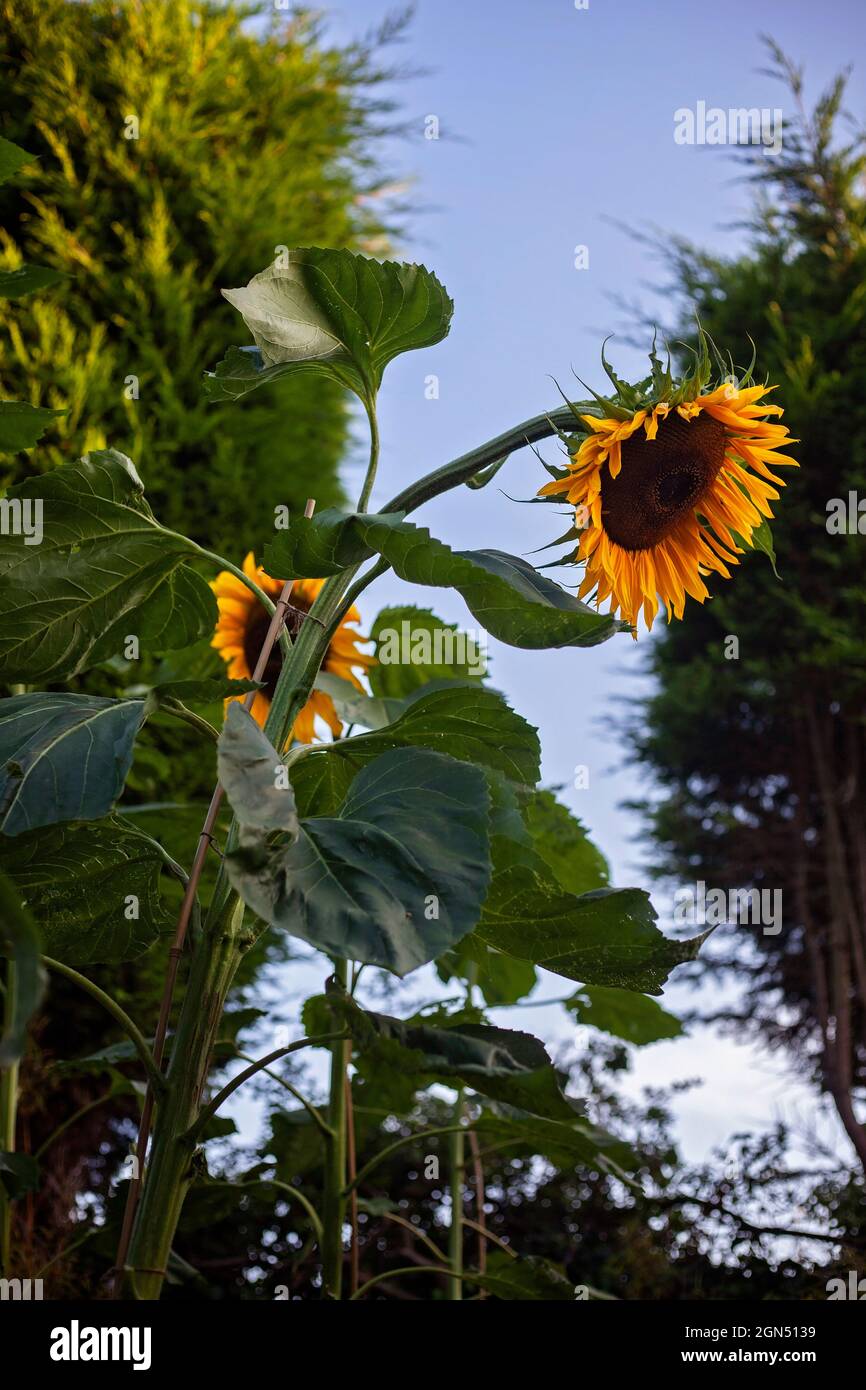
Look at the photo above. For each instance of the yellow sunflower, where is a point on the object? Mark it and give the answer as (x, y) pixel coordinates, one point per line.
(668, 483)
(241, 630)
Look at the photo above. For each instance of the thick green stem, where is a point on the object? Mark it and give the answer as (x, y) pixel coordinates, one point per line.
(334, 1198)
(172, 1165)
(8, 1118)
(456, 1148)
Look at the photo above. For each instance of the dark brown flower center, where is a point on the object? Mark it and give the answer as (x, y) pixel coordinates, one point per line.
(256, 631)
(662, 480)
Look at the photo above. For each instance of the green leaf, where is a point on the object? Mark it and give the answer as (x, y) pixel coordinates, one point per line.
(295, 1141)
(633, 1017)
(12, 157)
(500, 1063)
(63, 757)
(467, 722)
(104, 569)
(21, 426)
(19, 941)
(604, 937)
(436, 650)
(529, 1279)
(565, 1145)
(508, 597)
(398, 876)
(564, 845)
(201, 692)
(93, 889)
(19, 1174)
(334, 312)
(501, 979)
(26, 279)
(354, 707)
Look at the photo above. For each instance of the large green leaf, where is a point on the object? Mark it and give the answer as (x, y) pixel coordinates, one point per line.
(562, 842)
(633, 1017)
(21, 426)
(104, 570)
(603, 937)
(505, 1065)
(27, 279)
(335, 312)
(396, 877)
(63, 757)
(436, 650)
(93, 889)
(518, 1135)
(467, 722)
(19, 941)
(508, 597)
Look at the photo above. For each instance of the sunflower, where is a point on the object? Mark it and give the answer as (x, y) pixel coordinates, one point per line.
(669, 480)
(241, 630)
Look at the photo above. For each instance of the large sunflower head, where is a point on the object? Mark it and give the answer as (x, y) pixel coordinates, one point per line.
(670, 479)
(241, 630)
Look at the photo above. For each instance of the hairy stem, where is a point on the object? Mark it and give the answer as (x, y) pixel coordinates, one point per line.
(173, 1164)
(334, 1197)
(8, 1118)
(456, 1148)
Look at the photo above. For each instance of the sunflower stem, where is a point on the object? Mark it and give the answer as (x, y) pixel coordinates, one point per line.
(8, 1124)
(334, 1196)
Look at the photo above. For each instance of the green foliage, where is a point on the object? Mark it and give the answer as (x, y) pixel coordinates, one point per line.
(415, 630)
(341, 315)
(249, 137)
(634, 1017)
(398, 875)
(508, 597)
(103, 568)
(22, 425)
(63, 757)
(471, 723)
(94, 889)
(500, 1063)
(20, 942)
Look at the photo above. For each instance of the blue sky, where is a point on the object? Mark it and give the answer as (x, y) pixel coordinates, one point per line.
(557, 124)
